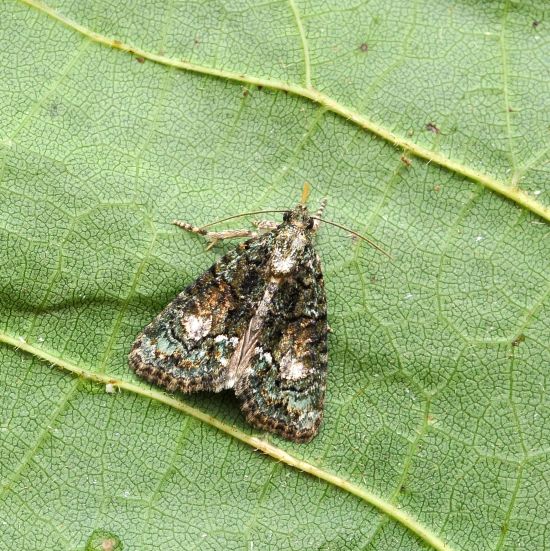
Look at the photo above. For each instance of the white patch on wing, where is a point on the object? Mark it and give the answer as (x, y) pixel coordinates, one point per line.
(309, 416)
(266, 356)
(229, 382)
(291, 368)
(197, 328)
(220, 338)
(283, 262)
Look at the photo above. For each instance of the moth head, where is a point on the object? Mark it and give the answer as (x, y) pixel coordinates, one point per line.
(299, 217)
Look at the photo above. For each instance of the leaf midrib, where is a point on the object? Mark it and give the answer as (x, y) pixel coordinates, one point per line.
(383, 505)
(510, 192)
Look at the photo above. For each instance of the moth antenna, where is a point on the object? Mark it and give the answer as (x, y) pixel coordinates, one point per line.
(320, 210)
(369, 241)
(319, 213)
(237, 216)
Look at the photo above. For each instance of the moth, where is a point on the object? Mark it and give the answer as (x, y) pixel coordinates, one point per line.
(256, 323)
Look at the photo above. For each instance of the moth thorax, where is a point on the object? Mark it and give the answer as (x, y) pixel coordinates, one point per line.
(288, 249)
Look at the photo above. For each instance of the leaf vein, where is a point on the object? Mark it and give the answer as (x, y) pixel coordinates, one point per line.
(303, 39)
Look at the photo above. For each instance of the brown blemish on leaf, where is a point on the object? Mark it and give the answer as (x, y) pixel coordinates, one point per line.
(432, 127)
(101, 540)
(406, 161)
(108, 545)
(518, 340)
(437, 188)
(364, 47)
(140, 59)
(536, 23)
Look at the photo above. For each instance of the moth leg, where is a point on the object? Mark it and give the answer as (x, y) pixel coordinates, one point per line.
(266, 224)
(214, 236)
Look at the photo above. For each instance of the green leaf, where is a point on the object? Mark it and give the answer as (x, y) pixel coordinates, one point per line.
(119, 117)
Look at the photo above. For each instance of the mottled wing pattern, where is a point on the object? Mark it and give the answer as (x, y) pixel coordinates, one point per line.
(189, 344)
(283, 389)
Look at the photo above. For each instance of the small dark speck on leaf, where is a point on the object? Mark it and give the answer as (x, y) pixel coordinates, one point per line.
(140, 59)
(536, 23)
(245, 92)
(406, 161)
(518, 340)
(54, 109)
(364, 47)
(504, 528)
(511, 109)
(431, 127)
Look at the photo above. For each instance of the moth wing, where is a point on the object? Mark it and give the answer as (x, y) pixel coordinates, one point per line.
(187, 347)
(283, 388)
